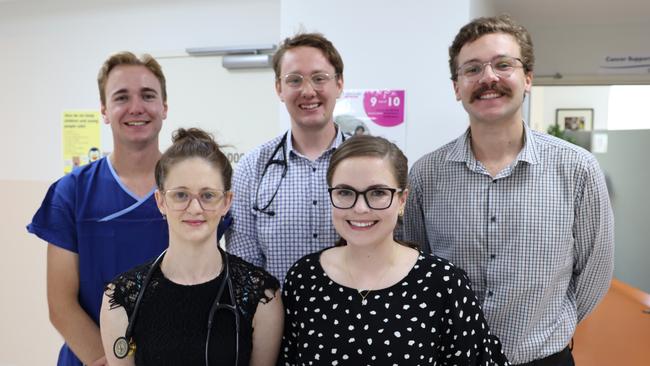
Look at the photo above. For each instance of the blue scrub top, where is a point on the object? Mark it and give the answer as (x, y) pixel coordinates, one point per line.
(91, 213)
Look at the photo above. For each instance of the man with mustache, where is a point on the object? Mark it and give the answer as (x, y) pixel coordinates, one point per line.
(527, 215)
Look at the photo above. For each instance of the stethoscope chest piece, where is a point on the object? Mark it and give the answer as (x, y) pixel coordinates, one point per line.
(123, 348)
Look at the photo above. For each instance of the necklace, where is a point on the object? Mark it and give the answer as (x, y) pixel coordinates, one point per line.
(364, 293)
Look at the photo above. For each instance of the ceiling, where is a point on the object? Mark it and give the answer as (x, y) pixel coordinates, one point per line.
(528, 12)
(577, 12)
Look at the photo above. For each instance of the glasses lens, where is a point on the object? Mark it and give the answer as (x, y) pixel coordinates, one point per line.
(504, 66)
(179, 199)
(471, 70)
(343, 197)
(320, 79)
(379, 198)
(293, 80)
(210, 199)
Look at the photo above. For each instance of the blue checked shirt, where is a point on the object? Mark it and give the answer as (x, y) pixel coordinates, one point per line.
(297, 222)
(537, 241)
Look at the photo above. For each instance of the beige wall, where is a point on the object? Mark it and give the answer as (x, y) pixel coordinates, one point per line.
(27, 338)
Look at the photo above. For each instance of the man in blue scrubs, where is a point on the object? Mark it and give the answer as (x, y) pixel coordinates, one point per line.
(102, 219)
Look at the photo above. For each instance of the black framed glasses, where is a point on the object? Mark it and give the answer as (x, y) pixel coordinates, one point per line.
(179, 199)
(317, 81)
(376, 198)
(502, 66)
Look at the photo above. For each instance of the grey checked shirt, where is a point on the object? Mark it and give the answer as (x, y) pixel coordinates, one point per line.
(297, 222)
(537, 241)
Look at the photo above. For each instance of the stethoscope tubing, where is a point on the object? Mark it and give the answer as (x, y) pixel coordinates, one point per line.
(124, 346)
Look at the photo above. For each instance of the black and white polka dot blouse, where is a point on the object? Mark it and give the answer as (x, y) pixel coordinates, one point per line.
(431, 317)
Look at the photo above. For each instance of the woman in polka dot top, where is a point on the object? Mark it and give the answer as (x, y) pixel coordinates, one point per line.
(372, 300)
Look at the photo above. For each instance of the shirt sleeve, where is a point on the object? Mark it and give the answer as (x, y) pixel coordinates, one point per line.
(413, 227)
(123, 291)
(55, 221)
(251, 284)
(465, 336)
(594, 241)
(241, 238)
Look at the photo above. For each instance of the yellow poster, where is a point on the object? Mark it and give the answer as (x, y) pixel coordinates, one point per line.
(81, 138)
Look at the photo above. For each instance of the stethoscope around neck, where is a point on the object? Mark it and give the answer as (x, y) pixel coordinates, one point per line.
(280, 147)
(125, 345)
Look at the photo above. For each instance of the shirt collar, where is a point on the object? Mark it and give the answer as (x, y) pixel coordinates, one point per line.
(461, 150)
(338, 140)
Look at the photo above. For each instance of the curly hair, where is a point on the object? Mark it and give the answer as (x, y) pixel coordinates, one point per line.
(488, 25)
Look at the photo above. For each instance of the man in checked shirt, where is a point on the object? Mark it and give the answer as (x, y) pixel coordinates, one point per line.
(281, 208)
(527, 215)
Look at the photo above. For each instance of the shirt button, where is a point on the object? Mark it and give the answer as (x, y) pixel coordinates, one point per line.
(492, 256)
(493, 219)
(490, 293)
(313, 169)
(315, 235)
(314, 202)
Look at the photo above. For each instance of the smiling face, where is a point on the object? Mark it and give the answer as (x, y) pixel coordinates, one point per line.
(193, 224)
(361, 225)
(309, 109)
(134, 106)
(491, 98)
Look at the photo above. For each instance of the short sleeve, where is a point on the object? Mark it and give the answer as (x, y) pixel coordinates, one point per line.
(251, 284)
(54, 222)
(123, 290)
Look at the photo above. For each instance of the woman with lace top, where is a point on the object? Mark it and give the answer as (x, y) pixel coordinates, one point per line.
(372, 300)
(195, 304)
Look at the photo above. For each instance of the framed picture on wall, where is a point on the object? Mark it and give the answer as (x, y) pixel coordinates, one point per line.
(574, 119)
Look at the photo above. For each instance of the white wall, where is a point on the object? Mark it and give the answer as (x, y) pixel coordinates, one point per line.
(628, 107)
(545, 100)
(394, 45)
(51, 58)
(51, 52)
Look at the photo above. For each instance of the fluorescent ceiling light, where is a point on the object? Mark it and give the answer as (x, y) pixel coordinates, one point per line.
(231, 50)
(246, 61)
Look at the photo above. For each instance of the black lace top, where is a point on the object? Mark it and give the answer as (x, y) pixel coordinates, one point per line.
(171, 324)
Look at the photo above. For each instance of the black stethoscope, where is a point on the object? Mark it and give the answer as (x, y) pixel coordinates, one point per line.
(273, 161)
(125, 345)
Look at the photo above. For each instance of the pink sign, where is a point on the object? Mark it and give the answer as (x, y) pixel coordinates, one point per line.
(384, 107)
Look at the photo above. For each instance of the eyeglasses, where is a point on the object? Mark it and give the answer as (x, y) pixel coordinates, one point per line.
(317, 81)
(376, 198)
(180, 199)
(502, 66)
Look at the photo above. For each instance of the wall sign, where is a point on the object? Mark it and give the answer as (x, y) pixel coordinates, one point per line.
(374, 112)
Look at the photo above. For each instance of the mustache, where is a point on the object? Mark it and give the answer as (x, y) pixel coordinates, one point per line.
(497, 88)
